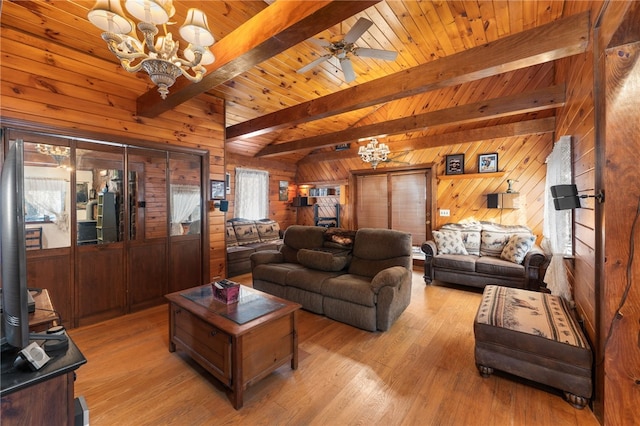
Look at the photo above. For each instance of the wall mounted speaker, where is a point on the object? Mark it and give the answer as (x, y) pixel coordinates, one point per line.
(224, 205)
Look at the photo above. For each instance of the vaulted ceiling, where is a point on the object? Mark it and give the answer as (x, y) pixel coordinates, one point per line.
(271, 110)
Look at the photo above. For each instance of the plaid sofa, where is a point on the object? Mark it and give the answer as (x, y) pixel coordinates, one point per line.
(244, 237)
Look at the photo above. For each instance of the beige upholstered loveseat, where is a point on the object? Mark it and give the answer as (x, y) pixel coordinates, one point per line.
(481, 253)
(361, 278)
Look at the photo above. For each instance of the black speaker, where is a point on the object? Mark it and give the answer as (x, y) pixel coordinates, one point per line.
(224, 205)
(493, 201)
(558, 191)
(566, 203)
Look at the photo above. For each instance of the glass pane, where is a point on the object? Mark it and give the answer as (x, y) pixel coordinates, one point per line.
(101, 216)
(185, 194)
(47, 195)
(147, 194)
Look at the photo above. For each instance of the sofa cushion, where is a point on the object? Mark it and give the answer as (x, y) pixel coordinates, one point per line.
(246, 233)
(350, 288)
(309, 279)
(495, 236)
(231, 236)
(470, 235)
(378, 249)
(238, 253)
(323, 260)
(268, 229)
(496, 266)
(517, 248)
(274, 272)
(449, 242)
(455, 261)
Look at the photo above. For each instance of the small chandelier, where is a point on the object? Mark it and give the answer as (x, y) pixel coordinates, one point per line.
(374, 153)
(59, 153)
(161, 62)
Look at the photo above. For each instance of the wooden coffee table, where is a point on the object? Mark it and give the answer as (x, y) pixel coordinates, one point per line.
(239, 343)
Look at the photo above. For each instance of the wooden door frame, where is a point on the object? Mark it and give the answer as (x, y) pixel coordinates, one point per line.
(430, 188)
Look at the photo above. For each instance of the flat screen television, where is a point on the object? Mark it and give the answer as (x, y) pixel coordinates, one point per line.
(15, 315)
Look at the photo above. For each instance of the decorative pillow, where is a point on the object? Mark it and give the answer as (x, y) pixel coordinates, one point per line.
(492, 243)
(449, 242)
(322, 260)
(339, 237)
(517, 248)
(231, 236)
(470, 235)
(268, 230)
(246, 233)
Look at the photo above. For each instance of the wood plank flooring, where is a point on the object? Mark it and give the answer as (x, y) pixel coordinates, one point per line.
(421, 372)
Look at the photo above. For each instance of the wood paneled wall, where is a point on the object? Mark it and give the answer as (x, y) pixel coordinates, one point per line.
(46, 84)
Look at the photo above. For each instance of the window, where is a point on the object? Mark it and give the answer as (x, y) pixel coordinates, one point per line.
(252, 194)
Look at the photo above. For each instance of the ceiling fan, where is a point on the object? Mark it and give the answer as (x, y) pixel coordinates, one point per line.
(342, 50)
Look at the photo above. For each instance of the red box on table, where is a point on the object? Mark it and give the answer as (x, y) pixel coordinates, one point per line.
(226, 291)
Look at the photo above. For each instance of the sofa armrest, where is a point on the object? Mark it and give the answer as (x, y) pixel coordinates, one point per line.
(393, 276)
(535, 265)
(430, 249)
(265, 256)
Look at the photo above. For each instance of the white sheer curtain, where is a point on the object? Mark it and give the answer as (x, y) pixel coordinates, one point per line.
(48, 196)
(252, 194)
(185, 204)
(557, 227)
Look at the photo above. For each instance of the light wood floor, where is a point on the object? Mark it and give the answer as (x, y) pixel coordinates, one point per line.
(421, 372)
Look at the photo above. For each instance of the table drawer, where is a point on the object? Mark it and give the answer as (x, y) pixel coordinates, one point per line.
(205, 343)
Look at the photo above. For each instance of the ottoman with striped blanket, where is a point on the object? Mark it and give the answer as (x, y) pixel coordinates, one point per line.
(533, 335)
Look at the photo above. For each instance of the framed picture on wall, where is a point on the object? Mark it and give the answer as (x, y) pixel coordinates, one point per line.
(283, 191)
(454, 164)
(488, 163)
(217, 190)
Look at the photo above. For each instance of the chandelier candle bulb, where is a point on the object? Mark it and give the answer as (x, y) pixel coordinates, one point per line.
(374, 153)
(161, 59)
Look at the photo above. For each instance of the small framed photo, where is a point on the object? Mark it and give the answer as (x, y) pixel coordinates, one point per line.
(217, 189)
(488, 163)
(454, 164)
(283, 191)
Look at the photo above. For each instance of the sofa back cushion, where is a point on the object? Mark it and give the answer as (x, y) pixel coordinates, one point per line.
(298, 237)
(495, 237)
(268, 229)
(378, 249)
(246, 232)
(231, 236)
(324, 259)
(449, 242)
(470, 233)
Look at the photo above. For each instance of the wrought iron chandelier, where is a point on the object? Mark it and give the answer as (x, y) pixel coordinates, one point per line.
(374, 153)
(161, 60)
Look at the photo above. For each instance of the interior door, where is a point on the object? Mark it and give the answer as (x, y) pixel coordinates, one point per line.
(148, 235)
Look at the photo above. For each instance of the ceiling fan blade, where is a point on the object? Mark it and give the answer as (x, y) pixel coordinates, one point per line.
(320, 42)
(347, 70)
(357, 30)
(313, 64)
(387, 55)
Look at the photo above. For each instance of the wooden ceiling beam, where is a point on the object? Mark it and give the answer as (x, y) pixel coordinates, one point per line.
(278, 27)
(521, 103)
(520, 128)
(546, 43)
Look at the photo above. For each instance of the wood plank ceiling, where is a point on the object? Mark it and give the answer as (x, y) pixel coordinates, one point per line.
(438, 37)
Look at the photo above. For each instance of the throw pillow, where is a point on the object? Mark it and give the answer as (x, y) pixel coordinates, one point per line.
(322, 260)
(246, 233)
(231, 236)
(492, 243)
(449, 242)
(470, 235)
(517, 248)
(268, 230)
